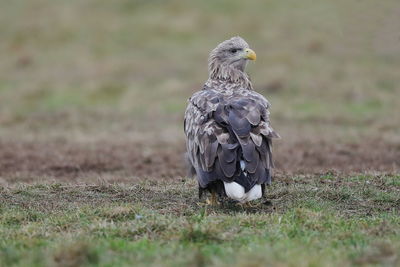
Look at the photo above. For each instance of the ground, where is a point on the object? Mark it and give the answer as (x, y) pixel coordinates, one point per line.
(92, 96)
(305, 221)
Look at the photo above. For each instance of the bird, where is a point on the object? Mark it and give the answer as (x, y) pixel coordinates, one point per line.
(227, 129)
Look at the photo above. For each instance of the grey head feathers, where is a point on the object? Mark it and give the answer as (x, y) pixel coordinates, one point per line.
(228, 61)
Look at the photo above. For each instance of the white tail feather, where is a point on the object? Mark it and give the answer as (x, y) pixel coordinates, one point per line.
(236, 192)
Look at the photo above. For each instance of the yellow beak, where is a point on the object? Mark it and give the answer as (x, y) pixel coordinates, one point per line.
(250, 54)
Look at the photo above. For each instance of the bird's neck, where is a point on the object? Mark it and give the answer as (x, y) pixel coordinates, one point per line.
(231, 75)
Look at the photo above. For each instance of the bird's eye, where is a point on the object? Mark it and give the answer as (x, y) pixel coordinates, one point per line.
(233, 50)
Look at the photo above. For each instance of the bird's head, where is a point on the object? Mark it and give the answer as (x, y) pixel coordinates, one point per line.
(229, 56)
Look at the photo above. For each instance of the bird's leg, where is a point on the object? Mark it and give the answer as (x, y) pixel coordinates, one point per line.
(213, 201)
(200, 202)
(200, 192)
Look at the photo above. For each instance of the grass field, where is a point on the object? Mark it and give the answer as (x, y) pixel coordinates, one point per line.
(307, 221)
(92, 95)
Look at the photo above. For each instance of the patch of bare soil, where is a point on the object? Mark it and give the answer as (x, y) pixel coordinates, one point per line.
(321, 156)
(66, 162)
(127, 162)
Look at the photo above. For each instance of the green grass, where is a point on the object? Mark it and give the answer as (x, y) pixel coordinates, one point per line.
(314, 221)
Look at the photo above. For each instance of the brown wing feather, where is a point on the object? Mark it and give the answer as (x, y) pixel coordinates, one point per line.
(224, 128)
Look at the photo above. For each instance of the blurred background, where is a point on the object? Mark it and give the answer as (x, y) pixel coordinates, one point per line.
(101, 86)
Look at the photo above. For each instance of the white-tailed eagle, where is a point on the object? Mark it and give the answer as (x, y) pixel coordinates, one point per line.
(227, 127)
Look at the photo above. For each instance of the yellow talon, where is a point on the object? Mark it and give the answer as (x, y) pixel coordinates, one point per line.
(213, 201)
